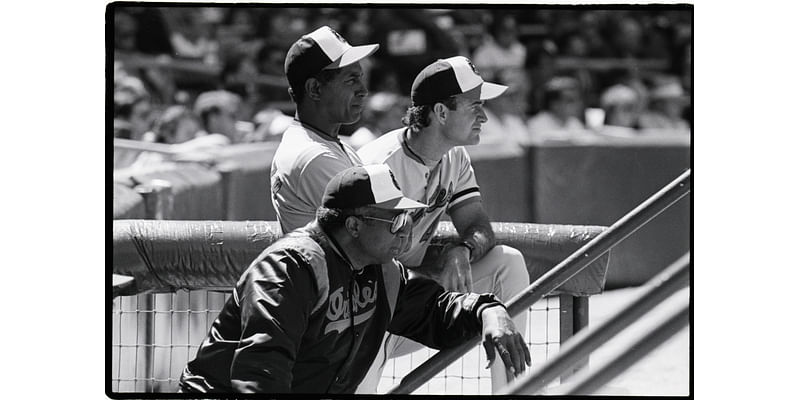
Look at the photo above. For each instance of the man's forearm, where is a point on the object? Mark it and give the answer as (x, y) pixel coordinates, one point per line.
(479, 239)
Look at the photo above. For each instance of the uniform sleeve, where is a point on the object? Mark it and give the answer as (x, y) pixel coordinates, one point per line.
(428, 314)
(315, 176)
(466, 189)
(276, 296)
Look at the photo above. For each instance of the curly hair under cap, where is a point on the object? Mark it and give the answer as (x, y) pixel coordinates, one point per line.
(418, 117)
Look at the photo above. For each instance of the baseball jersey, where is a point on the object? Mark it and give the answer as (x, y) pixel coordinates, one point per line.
(444, 186)
(304, 163)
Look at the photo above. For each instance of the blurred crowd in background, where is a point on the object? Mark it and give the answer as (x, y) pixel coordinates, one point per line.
(212, 76)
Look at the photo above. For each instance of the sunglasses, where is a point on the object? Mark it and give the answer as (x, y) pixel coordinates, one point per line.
(399, 221)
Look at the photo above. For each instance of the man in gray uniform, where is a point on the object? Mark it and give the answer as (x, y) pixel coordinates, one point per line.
(326, 82)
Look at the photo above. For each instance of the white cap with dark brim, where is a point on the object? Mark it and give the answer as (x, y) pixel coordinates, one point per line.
(337, 49)
(322, 49)
(449, 77)
(367, 185)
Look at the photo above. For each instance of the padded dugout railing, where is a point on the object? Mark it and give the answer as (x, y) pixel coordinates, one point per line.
(162, 256)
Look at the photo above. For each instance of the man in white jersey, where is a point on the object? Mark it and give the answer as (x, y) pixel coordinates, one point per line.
(326, 82)
(432, 167)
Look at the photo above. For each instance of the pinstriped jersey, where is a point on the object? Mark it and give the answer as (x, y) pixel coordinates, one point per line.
(303, 164)
(444, 185)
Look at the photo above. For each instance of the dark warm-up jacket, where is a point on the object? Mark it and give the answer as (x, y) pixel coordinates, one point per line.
(300, 320)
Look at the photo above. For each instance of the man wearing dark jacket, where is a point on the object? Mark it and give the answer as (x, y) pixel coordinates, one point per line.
(309, 314)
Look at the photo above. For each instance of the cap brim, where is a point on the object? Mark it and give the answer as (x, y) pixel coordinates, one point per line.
(491, 90)
(403, 203)
(352, 55)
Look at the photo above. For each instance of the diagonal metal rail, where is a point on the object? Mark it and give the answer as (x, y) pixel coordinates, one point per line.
(591, 380)
(672, 279)
(561, 273)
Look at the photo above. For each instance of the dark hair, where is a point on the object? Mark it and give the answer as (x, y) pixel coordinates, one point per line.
(206, 114)
(166, 125)
(418, 117)
(332, 218)
(556, 87)
(298, 93)
(501, 23)
(123, 110)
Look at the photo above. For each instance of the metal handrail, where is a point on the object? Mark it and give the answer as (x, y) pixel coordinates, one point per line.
(672, 279)
(561, 273)
(591, 380)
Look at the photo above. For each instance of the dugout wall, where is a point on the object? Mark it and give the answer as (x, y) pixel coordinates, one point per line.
(153, 335)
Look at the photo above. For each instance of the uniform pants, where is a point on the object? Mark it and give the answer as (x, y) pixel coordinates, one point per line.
(502, 272)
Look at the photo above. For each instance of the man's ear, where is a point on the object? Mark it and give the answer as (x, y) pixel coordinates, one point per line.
(440, 112)
(313, 86)
(353, 226)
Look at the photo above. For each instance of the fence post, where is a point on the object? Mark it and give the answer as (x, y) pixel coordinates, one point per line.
(158, 198)
(574, 316)
(158, 204)
(226, 172)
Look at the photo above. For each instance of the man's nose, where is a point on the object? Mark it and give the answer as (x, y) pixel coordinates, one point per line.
(362, 90)
(482, 118)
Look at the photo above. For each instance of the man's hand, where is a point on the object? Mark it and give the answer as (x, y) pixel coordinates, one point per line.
(499, 333)
(456, 272)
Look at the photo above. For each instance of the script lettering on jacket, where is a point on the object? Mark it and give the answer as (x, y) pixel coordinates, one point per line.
(339, 313)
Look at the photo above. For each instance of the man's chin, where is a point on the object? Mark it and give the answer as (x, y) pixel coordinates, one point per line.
(353, 120)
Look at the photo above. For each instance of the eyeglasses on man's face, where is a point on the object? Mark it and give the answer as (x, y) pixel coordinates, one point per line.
(399, 222)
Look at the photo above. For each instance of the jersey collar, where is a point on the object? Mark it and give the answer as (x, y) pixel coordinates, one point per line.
(318, 132)
(413, 154)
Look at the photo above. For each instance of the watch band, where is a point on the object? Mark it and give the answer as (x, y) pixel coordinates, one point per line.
(469, 247)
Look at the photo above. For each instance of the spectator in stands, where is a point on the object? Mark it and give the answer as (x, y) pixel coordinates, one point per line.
(627, 37)
(384, 112)
(286, 24)
(667, 103)
(132, 107)
(539, 68)
(140, 30)
(218, 110)
(125, 29)
(620, 104)
(192, 35)
(180, 127)
(563, 109)
(410, 40)
(177, 124)
(240, 76)
(310, 313)
(501, 54)
(505, 127)
(270, 123)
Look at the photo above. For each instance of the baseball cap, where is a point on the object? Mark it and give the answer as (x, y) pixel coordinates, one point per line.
(668, 91)
(322, 49)
(221, 99)
(367, 185)
(448, 77)
(618, 94)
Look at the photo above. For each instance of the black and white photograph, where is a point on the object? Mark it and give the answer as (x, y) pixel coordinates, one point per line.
(384, 199)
